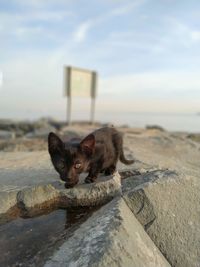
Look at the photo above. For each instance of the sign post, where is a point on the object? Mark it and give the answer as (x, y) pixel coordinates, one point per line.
(79, 82)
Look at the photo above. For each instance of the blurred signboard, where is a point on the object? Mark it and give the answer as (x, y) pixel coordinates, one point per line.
(82, 83)
(79, 82)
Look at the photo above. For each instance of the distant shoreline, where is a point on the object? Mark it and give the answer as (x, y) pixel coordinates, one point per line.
(172, 123)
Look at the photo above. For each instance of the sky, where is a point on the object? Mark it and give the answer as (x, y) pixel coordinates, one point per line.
(146, 53)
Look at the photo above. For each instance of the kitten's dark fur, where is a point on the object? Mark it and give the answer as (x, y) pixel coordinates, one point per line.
(98, 152)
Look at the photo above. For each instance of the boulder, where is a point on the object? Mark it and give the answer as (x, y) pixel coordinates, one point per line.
(41, 132)
(6, 134)
(167, 206)
(11, 125)
(8, 198)
(82, 195)
(111, 237)
(155, 127)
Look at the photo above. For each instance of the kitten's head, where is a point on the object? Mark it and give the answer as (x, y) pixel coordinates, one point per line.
(72, 158)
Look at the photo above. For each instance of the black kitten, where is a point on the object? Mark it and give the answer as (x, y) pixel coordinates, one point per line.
(98, 152)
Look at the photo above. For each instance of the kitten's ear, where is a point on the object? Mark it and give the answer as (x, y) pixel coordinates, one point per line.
(55, 144)
(88, 144)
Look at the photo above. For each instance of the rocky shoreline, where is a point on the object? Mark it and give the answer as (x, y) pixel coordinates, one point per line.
(152, 217)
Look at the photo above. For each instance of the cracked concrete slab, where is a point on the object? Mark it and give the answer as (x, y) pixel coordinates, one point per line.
(111, 237)
(168, 208)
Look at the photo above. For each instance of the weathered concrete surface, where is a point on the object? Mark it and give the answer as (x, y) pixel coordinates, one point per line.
(8, 198)
(111, 237)
(165, 150)
(28, 180)
(84, 195)
(22, 170)
(169, 209)
(165, 198)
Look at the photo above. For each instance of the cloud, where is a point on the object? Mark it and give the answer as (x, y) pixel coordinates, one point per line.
(24, 31)
(124, 9)
(39, 4)
(81, 32)
(20, 23)
(181, 33)
(45, 15)
(175, 36)
(195, 35)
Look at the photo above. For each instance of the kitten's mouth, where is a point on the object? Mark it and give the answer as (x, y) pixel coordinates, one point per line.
(71, 184)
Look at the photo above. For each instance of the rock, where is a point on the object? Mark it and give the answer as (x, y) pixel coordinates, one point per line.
(84, 195)
(168, 207)
(37, 197)
(194, 137)
(155, 127)
(67, 134)
(34, 128)
(8, 198)
(23, 144)
(55, 123)
(98, 193)
(37, 184)
(6, 134)
(142, 176)
(41, 132)
(111, 237)
(11, 125)
(22, 170)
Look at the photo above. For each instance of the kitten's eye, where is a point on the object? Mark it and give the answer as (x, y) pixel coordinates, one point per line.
(77, 165)
(62, 165)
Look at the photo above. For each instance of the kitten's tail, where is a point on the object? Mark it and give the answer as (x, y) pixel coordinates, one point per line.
(124, 160)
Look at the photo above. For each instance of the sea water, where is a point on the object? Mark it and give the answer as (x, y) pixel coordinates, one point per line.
(171, 122)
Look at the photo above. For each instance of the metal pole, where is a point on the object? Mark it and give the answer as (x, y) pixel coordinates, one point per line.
(68, 91)
(93, 95)
(69, 110)
(92, 110)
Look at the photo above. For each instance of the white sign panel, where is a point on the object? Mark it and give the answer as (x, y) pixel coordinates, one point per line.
(79, 82)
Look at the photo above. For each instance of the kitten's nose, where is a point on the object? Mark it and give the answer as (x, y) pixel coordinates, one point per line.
(71, 182)
(67, 185)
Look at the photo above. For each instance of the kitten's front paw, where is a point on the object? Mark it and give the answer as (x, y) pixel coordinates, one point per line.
(89, 180)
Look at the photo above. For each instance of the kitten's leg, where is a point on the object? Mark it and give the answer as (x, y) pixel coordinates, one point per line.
(102, 171)
(93, 173)
(110, 170)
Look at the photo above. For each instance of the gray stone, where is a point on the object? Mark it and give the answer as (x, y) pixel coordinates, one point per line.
(155, 127)
(37, 184)
(8, 198)
(41, 132)
(169, 208)
(111, 237)
(6, 134)
(98, 193)
(11, 125)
